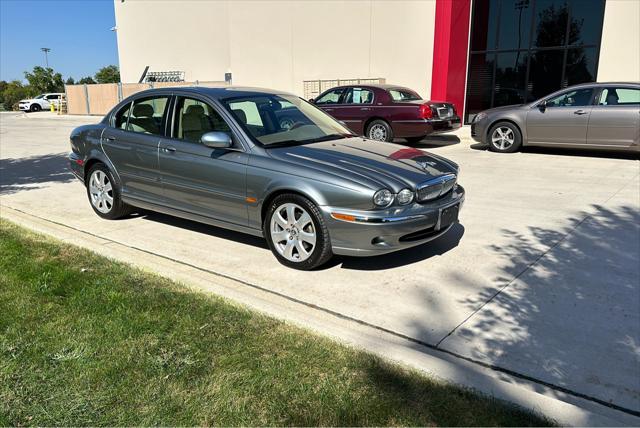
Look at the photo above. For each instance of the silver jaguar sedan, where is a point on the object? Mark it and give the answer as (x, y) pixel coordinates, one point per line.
(587, 116)
(265, 163)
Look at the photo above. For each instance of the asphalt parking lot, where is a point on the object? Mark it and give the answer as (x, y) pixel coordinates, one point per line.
(541, 278)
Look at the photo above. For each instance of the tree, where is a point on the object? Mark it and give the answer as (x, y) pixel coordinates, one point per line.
(108, 74)
(14, 92)
(3, 86)
(86, 81)
(70, 81)
(44, 80)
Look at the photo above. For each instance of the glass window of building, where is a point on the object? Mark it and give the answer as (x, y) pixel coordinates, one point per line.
(522, 50)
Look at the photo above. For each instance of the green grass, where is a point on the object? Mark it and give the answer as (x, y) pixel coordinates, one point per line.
(88, 341)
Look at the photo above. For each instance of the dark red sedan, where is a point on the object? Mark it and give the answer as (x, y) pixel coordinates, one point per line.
(384, 112)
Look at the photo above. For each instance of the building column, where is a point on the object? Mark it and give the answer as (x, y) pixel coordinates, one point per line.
(450, 52)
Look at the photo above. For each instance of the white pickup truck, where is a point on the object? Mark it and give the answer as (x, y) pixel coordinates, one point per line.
(41, 102)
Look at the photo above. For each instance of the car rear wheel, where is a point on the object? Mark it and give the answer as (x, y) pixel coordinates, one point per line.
(296, 232)
(504, 137)
(35, 107)
(380, 130)
(104, 193)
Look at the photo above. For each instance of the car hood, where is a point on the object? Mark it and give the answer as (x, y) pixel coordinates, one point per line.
(27, 100)
(367, 162)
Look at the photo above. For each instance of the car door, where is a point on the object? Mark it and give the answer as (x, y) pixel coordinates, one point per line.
(330, 100)
(199, 179)
(355, 108)
(561, 119)
(615, 119)
(131, 143)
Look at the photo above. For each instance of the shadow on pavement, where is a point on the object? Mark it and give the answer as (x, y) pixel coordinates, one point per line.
(611, 154)
(570, 319)
(29, 173)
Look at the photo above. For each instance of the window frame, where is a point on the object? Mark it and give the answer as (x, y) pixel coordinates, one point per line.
(340, 98)
(131, 103)
(594, 93)
(616, 87)
(350, 89)
(171, 125)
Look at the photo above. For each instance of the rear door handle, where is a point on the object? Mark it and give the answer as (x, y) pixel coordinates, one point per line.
(365, 109)
(579, 112)
(169, 149)
(328, 109)
(110, 138)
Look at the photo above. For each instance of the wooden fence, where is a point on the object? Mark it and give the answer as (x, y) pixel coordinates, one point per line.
(98, 99)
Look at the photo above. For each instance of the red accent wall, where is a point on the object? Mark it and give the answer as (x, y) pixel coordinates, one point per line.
(450, 52)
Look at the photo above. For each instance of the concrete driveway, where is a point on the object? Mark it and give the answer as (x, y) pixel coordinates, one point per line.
(539, 282)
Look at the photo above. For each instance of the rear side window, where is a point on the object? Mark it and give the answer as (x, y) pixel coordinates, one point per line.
(331, 97)
(358, 96)
(146, 115)
(403, 95)
(195, 118)
(120, 119)
(619, 96)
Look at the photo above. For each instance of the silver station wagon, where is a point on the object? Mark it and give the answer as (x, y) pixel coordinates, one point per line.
(265, 163)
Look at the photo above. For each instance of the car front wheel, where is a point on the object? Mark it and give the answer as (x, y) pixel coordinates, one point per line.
(504, 137)
(296, 232)
(35, 107)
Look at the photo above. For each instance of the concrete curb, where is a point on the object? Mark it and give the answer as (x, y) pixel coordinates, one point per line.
(564, 409)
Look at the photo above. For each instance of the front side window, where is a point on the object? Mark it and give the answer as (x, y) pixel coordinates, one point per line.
(619, 96)
(146, 115)
(274, 120)
(575, 98)
(403, 95)
(53, 97)
(195, 118)
(331, 97)
(358, 96)
(121, 117)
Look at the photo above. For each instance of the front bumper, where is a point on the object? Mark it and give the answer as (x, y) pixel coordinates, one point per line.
(24, 106)
(479, 130)
(385, 231)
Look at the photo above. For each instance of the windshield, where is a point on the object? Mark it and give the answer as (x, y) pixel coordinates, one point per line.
(403, 95)
(39, 96)
(274, 120)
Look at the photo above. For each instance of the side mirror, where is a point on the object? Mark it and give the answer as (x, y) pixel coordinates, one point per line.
(542, 106)
(312, 101)
(217, 140)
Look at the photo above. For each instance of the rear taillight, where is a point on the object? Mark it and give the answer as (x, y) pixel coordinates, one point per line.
(425, 111)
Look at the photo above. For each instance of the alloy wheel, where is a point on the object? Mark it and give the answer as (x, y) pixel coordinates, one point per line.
(292, 232)
(503, 138)
(101, 191)
(378, 132)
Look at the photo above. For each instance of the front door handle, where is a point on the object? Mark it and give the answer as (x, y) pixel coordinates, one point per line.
(365, 109)
(110, 138)
(169, 149)
(579, 112)
(328, 109)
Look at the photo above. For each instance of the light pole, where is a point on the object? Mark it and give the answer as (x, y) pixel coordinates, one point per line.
(46, 57)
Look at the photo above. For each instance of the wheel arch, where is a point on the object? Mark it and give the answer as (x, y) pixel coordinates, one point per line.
(371, 119)
(508, 120)
(282, 191)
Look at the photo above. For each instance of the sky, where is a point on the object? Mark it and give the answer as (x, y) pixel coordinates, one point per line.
(77, 31)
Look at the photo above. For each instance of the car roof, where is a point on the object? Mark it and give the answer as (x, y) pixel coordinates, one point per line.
(216, 92)
(384, 86)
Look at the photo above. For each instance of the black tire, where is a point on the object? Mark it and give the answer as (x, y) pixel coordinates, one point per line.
(35, 107)
(320, 253)
(118, 208)
(508, 129)
(414, 140)
(372, 129)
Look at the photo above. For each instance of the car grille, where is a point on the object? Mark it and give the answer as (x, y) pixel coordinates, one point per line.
(435, 188)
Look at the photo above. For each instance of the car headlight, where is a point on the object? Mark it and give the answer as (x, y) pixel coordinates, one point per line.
(404, 196)
(478, 117)
(382, 198)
